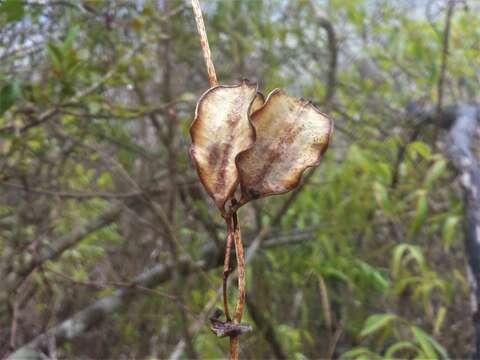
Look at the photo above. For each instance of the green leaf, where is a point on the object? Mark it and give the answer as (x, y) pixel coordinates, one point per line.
(406, 282)
(397, 259)
(359, 353)
(13, 9)
(425, 345)
(105, 180)
(421, 148)
(428, 344)
(404, 253)
(439, 319)
(9, 94)
(337, 274)
(369, 276)
(439, 348)
(401, 345)
(420, 213)
(381, 196)
(55, 55)
(448, 231)
(376, 322)
(71, 36)
(434, 173)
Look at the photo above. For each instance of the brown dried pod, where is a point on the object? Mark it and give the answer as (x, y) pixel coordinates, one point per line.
(220, 131)
(291, 135)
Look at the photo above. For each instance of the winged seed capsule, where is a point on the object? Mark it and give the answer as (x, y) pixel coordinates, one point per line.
(220, 131)
(265, 145)
(291, 135)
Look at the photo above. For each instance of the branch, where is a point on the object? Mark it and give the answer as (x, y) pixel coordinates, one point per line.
(60, 245)
(332, 48)
(48, 114)
(461, 139)
(94, 314)
(202, 33)
(98, 311)
(83, 195)
(443, 66)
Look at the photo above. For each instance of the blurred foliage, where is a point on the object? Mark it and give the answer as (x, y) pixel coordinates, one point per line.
(382, 274)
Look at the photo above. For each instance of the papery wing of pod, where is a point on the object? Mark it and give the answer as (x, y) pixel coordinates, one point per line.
(291, 135)
(258, 102)
(220, 131)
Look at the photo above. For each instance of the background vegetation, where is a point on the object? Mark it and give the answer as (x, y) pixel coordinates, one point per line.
(96, 187)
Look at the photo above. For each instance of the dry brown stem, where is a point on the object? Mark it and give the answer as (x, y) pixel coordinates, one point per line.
(237, 318)
(202, 33)
(443, 66)
(226, 265)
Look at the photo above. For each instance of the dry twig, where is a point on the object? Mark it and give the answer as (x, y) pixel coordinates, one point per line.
(202, 33)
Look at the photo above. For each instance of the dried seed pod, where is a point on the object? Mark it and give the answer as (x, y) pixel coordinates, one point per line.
(220, 132)
(291, 135)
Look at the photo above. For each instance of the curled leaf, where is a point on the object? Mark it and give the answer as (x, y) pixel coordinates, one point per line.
(220, 132)
(225, 328)
(291, 135)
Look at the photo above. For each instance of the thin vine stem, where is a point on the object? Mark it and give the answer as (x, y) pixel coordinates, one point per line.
(241, 270)
(237, 318)
(202, 33)
(226, 265)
